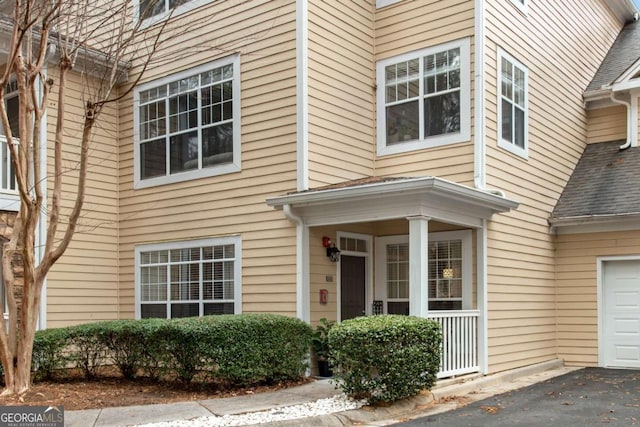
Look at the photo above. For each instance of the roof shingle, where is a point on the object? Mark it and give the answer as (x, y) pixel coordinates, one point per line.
(606, 181)
(624, 52)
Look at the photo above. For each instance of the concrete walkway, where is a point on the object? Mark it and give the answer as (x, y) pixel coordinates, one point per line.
(440, 399)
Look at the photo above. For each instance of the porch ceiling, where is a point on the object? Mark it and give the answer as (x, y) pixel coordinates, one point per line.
(431, 197)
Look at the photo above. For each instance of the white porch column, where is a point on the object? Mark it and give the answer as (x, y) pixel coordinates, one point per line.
(418, 265)
(303, 296)
(481, 279)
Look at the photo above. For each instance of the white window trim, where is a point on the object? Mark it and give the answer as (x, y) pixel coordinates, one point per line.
(216, 241)
(234, 166)
(467, 263)
(384, 3)
(465, 100)
(507, 145)
(522, 5)
(184, 8)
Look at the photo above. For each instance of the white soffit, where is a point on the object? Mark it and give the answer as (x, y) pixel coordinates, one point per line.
(432, 197)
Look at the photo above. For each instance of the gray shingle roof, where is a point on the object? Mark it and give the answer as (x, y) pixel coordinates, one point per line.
(606, 181)
(624, 52)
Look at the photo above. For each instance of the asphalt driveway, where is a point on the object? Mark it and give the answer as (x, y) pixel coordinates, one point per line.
(587, 397)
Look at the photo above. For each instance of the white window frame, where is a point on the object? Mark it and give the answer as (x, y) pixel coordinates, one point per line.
(183, 8)
(9, 199)
(467, 263)
(465, 100)
(226, 168)
(384, 3)
(522, 5)
(216, 241)
(503, 143)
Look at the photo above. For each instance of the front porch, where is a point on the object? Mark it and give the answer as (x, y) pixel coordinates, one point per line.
(413, 246)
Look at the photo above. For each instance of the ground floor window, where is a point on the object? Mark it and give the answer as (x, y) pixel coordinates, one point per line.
(449, 264)
(186, 279)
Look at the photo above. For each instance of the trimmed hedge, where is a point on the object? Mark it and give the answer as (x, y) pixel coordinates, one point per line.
(385, 358)
(231, 350)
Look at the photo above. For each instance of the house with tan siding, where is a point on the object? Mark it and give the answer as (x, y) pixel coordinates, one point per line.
(470, 161)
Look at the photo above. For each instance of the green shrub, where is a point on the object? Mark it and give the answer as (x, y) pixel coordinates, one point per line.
(385, 358)
(86, 350)
(128, 341)
(233, 350)
(257, 348)
(49, 356)
(183, 345)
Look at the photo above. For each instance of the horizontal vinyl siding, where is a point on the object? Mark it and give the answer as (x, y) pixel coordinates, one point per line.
(263, 33)
(607, 124)
(577, 304)
(409, 26)
(83, 285)
(341, 91)
(561, 45)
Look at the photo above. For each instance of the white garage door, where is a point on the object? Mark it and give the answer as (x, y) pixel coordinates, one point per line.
(621, 317)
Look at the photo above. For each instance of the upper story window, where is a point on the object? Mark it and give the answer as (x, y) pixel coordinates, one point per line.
(383, 3)
(521, 4)
(152, 11)
(512, 105)
(187, 279)
(188, 125)
(424, 99)
(7, 172)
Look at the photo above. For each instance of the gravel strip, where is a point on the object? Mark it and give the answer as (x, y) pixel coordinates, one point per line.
(310, 409)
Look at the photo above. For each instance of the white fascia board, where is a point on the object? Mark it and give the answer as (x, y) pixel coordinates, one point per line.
(595, 223)
(408, 186)
(626, 85)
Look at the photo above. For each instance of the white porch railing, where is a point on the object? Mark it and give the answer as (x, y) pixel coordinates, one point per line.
(459, 341)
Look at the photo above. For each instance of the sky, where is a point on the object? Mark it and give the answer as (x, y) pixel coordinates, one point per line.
(637, 2)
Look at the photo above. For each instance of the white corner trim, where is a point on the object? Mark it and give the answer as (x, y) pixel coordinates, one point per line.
(41, 234)
(302, 93)
(479, 120)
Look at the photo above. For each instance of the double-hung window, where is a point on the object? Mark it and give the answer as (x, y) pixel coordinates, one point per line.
(188, 125)
(7, 172)
(449, 269)
(152, 11)
(521, 4)
(186, 279)
(423, 98)
(512, 105)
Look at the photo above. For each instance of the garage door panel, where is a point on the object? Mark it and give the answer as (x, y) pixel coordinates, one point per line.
(621, 314)
(626, 326)
(627, 300)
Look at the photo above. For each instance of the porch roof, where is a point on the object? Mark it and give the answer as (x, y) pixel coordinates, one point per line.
(376, 199)
(603, 191)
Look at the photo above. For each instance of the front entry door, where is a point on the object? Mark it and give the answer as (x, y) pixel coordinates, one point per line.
(352, 286)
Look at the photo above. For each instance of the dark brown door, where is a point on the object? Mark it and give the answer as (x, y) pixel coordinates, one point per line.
(352, 286)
